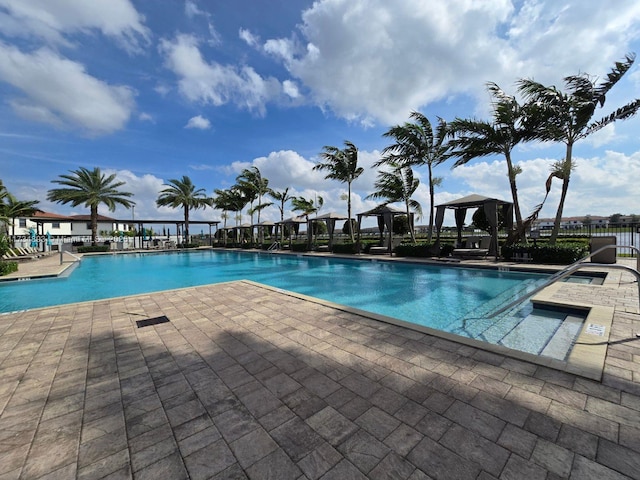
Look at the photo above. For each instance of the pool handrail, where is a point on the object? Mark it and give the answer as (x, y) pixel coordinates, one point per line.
(565, 272)
(62, 252)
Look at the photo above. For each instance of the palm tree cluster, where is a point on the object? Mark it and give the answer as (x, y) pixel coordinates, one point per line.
(546, 114)
(10, 209)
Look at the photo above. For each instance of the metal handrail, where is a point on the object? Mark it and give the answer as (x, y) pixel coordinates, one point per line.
(273, 246)
(62, 252)
(573, 268)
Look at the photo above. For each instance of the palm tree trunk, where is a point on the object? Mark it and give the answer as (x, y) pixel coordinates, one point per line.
(349, 212)
(186, 225)
(409, 222)
(94, 224)
(514, 191)
(431, 202)
(566, 175)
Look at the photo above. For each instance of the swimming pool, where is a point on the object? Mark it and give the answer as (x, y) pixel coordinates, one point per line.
(445, 298)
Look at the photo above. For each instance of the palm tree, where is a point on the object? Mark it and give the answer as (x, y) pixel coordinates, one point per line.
(478, 138)
(307, 207)
(255, 186)
(342, 165)
(566, 117)
(398, 185)
(183, 194)
(282, 197)
(13, 208)
(418, 144)
(91, 188)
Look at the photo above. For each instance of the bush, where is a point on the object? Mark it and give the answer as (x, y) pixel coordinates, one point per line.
(344, 248)
(94, 249)
(563, 253)
(187, 245)
(418, 250)
(8, 267)
(446, 249)
(299, 247)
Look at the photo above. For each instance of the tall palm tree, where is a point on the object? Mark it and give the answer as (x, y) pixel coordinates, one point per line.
(307, 207)
(342, 165)
(566, 117)
(183, 194)
(13, 208)
(255, 186)
(417, 144)
(479, 138)
(282, 197)
(91, 188)
(398, 185)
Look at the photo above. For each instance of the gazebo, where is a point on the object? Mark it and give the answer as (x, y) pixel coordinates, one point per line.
(262, 226)
(385, 214)
(490, 206)
(288, 222)
(330, 219)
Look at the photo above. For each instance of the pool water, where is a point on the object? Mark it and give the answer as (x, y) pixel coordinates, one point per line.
(441, 297)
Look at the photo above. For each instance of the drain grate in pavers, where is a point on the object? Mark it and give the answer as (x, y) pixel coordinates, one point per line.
(152, 321)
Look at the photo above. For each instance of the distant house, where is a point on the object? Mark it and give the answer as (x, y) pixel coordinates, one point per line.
(64, 226)
(571, 223)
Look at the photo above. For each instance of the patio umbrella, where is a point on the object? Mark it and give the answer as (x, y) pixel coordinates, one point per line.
(48, 239)
(32, 233)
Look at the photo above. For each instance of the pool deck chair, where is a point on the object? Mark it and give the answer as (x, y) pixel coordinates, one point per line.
(475, 247)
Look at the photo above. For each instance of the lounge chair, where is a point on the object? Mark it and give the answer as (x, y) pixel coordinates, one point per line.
(475, 247)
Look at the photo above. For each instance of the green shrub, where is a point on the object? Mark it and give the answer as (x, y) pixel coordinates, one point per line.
(563, 253)
(344, 248)
(446, 249)
(418, 250)
(8, 267)
(187, 245)
(299, 247)
(94, 249)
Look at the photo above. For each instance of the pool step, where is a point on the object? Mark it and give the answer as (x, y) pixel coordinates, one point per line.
(560, 345)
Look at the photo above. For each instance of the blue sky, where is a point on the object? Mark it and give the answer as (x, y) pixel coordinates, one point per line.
(153, 91)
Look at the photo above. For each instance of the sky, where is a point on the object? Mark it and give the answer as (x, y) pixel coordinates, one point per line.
(156, 90)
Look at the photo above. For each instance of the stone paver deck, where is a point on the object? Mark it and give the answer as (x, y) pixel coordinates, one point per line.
(245, 381)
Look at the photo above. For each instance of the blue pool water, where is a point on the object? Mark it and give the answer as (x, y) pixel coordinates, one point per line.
(445, 298)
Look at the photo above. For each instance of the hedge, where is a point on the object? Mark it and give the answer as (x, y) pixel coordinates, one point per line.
(344, 248)
(94, 249)
(563, 253)
(8, 267)
(417, 250)
(299, 247)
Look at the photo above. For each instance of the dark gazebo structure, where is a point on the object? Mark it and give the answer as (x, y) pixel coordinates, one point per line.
(330, 219)
(490, 206)
(385, 214)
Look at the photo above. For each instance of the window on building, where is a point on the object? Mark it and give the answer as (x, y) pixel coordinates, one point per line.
(55, 224)
(22, 222)
(88, 225)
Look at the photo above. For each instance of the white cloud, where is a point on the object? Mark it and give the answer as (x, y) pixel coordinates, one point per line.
(290, 89)
(146, 117)
(375, 61)
(56, 20)
(60, 92)
(604, 136)
(248, 37)
(198, 122)
(210, 83)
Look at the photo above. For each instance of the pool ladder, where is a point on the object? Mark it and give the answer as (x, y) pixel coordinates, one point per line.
(273, 246)
(573, 268)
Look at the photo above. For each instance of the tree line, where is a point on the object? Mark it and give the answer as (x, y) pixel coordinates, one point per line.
(545, 114)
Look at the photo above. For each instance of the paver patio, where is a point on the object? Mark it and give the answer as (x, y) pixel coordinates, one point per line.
(249, 382)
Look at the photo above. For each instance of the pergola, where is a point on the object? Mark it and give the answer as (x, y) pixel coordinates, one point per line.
(330, 219)
(490, 206)
(290, 222)
(262, 226)
(385, 214)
